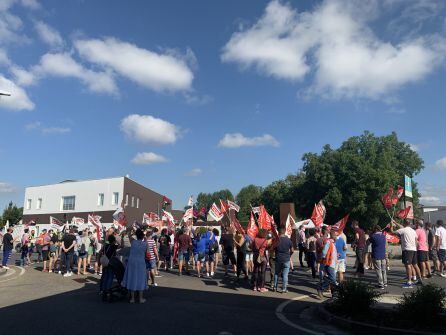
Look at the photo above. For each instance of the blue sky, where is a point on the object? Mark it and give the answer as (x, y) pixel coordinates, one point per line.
(198, 95)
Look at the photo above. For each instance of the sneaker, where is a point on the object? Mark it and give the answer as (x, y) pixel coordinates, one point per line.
(60, 272)
(263, 290)
(50, 271)
(284, 291)
(6, 267)
(158, 276)
(70, 274)
(408, 285)
(212, 274)
(385, 285)
(154, 285)
(66, 275)
(207, 274)
(441, 274)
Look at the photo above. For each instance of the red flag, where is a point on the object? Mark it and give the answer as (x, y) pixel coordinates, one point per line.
(237, 225)
(265, 220)
(224, 206)
(391, 238)
(252, 228)
(290, 223)
(387, 198)
(318, 214)
(402, 213)
(340, 225)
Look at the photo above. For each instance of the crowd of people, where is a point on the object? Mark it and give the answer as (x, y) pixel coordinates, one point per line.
(144, 251)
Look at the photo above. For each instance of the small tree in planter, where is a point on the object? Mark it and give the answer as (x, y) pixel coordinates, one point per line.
(423, 306)
(354, 298)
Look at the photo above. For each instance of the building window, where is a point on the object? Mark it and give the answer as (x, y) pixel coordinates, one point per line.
(115, 198)
(28, 204)
(39, 203)
(126, 199)
(68, 203)
(133, 201)
(101, 199)
(137, 202)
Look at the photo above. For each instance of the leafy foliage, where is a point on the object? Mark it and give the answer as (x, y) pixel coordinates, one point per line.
(206, 199)
(247, 197)
(354, 298)
(424, 305)
(12, 213)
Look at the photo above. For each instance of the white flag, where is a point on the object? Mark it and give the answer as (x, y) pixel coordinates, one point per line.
(191, 201)
(233, 206)
(189, 214)
(215, 212)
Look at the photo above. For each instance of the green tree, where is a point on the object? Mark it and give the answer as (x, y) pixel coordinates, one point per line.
(12, 213)
(207, 199)
(248, 196)
(353, 178)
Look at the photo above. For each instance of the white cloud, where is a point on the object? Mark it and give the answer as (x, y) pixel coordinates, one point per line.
(441, 163)
(48, 34)
(146, 158)
(336, 41)
(33, 125)
(414, 147)
(433, 195)
(237, 140)
(430, 200)
(18, 100)
(6, 188)
(31, 4)
(156, 71)
(149, 129)
(63, 65)
(56, 130)
(4, 60)
(194, 172)
(23, 77)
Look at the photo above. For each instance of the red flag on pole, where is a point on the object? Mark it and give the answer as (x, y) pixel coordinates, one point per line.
(252, 228)
(265, 220)
(340, 225)
(223, 206)
(290, 223)
(387, 198)
(402, 213)
(318, 214)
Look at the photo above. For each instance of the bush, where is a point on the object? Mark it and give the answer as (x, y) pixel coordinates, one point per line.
(354, 298)
(424, 305)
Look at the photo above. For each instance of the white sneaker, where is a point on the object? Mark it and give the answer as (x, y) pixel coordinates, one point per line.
(443, 274)
(70, 274)
(66, 274)
(207, 274)
(6, 267)
(154, 285)
(212, 274)
(60, 272)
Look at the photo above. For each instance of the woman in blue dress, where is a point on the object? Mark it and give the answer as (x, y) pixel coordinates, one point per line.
(135, 276)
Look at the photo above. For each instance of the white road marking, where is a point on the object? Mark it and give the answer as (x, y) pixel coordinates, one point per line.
(283, 318)
(22, 271)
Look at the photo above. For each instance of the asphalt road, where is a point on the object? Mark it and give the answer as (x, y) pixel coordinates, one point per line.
(36, 302)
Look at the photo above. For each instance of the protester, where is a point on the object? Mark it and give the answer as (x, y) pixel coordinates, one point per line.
(8, 246)
(368, 251)
(311, 252)
(45, 249)
(360, 247)
(301, 242)
(84, 245)
(422, 250)
(227, 242)
(378, 243)
(341, 248)
(105, 255)
(67, 247)
(53, 251)
(433, 254)
(271, 260)
(135, 276)
(164, 250)
(284, 250)
(260, 244)
(249, 258)
(91, 249)
(151, 257)
(212, 249)
(24, 248)
(184, 246)
(409, 253)
(327, 269)
(440, 234)
(321, 240)
(32, 244)
(241, 247)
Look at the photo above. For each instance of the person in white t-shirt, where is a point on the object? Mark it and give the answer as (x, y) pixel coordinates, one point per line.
(409, 239)
(440, 233)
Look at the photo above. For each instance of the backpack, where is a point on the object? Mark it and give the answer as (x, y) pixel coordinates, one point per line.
(82, 250)
(213, 248)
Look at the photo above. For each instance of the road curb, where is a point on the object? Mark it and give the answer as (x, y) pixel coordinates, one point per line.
(3, 272)
(363, 327)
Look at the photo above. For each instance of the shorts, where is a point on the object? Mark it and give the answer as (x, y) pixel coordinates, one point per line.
(210, 257)
(340, 265)
(249, 257)
(199, 258)
(45, 255)
(422, 256)
(433, 255)
(82, 256)
(229, 256)
(150, 264)
(442, 255)
(165, 258)
(183, 255)
(409, 257)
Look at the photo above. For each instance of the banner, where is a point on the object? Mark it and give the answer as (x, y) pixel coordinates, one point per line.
(119, 216)
(318, 214)
(150, 217)
(236, 224)
(256, 210)
(265, 220)
(169, 218)
(223, 206)
(252, 228)
(391, 238)
(188, 214)
(55, 221)
(77, 221)
(404, 213)
(95, 220)
(215, 212)
(234, 206)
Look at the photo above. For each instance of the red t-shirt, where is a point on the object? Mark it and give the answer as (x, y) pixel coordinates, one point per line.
(184, 242)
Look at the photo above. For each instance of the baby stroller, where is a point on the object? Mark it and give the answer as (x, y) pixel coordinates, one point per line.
(113, 290)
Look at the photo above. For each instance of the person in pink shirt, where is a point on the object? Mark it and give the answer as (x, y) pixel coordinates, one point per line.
(422, 250)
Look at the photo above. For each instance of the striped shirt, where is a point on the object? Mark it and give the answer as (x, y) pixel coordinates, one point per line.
(151, 245)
